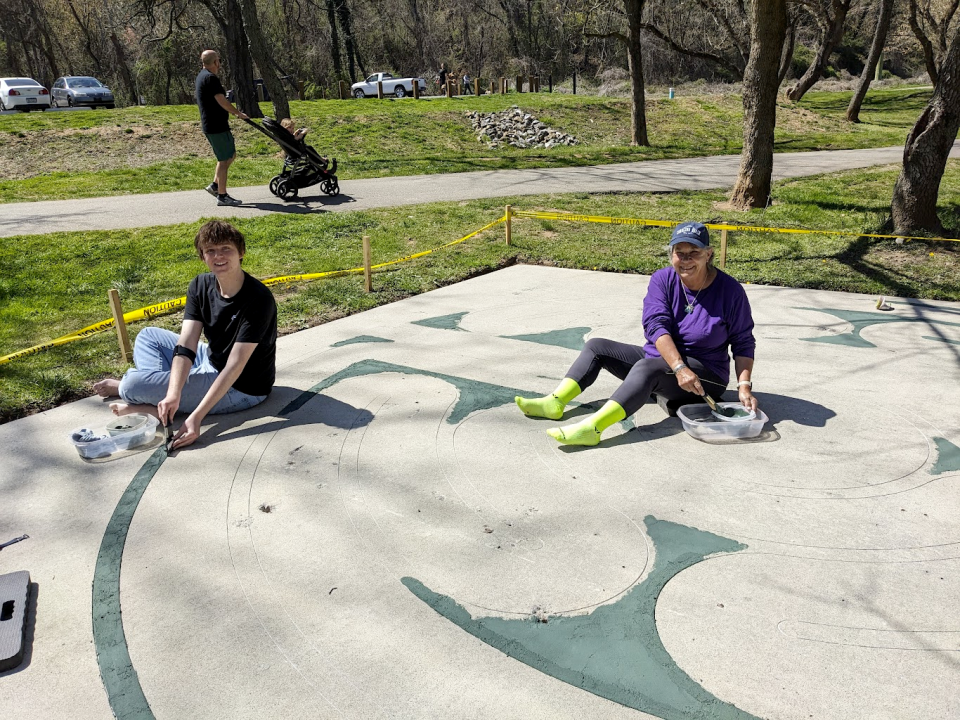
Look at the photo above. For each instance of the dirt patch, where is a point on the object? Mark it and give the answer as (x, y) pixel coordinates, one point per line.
(99, 148)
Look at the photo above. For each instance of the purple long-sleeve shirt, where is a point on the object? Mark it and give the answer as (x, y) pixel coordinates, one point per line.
(721, 319)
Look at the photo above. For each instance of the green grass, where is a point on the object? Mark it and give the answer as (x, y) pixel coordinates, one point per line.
(53, 284)
(45, 156)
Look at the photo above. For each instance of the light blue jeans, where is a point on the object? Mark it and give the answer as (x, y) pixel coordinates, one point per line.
(146, 383)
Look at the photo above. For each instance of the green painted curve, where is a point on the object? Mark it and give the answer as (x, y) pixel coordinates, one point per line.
(861, 321)
(119, 677)
(361, 339)
(948, 457)
(472, 395)
(570, 338)
(444, 322)
(116, 669)
(615, 651)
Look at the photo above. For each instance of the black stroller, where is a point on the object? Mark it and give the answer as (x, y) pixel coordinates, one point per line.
(303, 166)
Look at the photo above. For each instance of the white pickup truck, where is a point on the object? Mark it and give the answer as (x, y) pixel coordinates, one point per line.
(400, 87)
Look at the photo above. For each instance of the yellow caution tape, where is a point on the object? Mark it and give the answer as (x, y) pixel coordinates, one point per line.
(571, 217)
(151, 311)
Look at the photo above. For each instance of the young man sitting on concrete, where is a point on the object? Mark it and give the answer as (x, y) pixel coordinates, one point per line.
(234, 370)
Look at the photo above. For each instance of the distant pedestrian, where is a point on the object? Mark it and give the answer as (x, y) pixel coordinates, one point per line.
(442, 81)
(214, 109)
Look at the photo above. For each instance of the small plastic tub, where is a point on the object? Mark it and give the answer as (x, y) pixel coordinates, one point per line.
(129, 432)
(701, 423)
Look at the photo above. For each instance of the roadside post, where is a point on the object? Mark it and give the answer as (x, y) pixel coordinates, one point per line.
(367, 275)
(342, 89)
(300, 95)
(380, 89)
(476, 87)
(416, 88)
(449, 88)
(723, 249)
(122, 337)
(519, 83)
(508, 228)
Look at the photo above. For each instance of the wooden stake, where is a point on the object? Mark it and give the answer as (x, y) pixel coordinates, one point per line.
(416, 88)
(503, 86)
(476, 87)
(492, 86)
(723, 249)
(114, 297)
(380, 89)
(342, 90)
(519, 83)
(367, 275)
(509, 213)
(449, 88)
(300, 95)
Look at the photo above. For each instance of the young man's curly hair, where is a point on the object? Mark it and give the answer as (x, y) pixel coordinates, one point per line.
(218, 232)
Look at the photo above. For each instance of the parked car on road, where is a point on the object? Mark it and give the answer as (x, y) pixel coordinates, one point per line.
(77, 90)
(399, 87)
(23, 94)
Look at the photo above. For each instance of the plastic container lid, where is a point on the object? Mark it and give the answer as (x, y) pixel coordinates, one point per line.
(127, 432)
(700, 422)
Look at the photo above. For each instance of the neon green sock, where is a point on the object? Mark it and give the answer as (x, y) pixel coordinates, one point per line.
(550, 406)
(588, 430)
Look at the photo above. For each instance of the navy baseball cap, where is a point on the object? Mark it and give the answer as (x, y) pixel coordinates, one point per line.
(691, 232)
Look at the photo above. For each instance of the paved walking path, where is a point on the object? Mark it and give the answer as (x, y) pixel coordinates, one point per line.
(129, 211)
(389, 537)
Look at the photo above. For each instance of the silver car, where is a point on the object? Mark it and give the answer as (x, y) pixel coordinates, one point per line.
(23, 94)
(76, 90)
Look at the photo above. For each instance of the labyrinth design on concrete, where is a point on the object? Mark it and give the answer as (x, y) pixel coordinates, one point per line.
(395, 522)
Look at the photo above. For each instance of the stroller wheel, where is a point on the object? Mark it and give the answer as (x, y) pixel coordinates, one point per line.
(285, 190)
(274, 183)
(333, 188)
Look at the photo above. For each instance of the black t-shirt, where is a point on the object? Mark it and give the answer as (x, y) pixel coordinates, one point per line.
(249, 316)
(213, 118)
(443, 76)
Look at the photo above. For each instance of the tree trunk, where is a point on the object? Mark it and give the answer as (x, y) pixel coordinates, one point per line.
(261, 55)
(832, 35)
(876, 49)
(768, 28)
(343, 15)
(638, 115)
(334, 40)
(239, 62)
(124, 68)
(914, 205)
(929, 58)
(786, 56)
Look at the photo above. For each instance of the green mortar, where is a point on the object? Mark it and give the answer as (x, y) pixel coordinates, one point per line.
(361, 339)
(116, 670)
(444, 322)
(615, 651)
(571, 338)
(948, 457)
(472, 395)
(861, 321)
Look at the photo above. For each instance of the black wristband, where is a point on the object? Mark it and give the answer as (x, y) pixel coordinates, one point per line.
(186, 352)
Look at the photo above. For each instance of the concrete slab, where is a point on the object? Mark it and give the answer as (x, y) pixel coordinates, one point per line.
(389, 544)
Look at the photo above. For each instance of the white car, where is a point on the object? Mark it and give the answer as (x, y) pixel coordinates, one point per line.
(23, 94)
(399, 87)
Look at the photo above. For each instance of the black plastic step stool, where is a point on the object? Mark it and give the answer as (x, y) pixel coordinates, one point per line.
(14, 589)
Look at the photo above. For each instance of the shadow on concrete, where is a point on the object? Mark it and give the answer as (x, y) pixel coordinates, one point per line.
(290, 407)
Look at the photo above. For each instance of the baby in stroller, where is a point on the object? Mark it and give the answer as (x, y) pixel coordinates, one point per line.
(303, 166)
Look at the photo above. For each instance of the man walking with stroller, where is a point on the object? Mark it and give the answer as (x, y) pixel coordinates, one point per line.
(214, 120)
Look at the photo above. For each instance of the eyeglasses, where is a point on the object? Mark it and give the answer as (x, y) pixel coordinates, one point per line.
(692, 255)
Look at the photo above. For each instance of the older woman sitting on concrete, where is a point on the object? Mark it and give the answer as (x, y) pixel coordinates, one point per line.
(694, 315)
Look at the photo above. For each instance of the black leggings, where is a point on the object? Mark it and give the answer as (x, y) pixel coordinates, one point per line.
(642, 376)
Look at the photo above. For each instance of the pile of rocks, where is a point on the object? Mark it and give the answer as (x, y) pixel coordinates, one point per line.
(517, 128)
